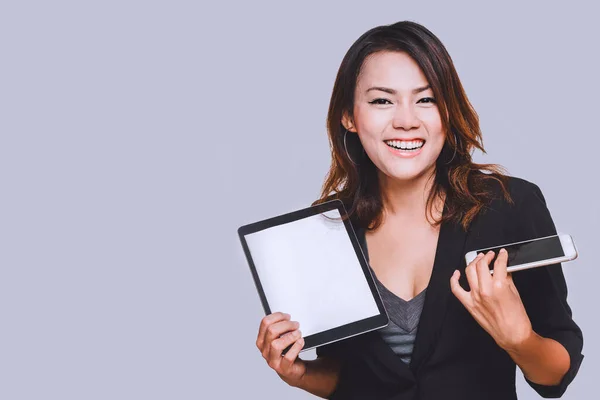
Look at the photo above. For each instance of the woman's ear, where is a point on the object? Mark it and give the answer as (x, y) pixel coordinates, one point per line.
(348, 123)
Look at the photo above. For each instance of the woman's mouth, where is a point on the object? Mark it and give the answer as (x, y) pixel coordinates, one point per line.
(405, 148)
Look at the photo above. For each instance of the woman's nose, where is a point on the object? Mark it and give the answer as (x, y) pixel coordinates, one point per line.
(405, 118)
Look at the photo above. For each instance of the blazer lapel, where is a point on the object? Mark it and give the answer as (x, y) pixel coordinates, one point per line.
(448, 257)
(377, 354)
(388, 366)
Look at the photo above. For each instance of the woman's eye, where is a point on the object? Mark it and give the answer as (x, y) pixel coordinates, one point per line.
(429, 100)
(380, 101)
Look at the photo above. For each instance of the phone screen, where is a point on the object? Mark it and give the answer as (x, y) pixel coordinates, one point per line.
(530, 251)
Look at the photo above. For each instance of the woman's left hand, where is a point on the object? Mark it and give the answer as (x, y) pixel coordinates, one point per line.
(494, 301)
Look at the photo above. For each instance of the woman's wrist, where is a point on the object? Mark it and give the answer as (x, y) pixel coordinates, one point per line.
(522, 343)
(543, 361)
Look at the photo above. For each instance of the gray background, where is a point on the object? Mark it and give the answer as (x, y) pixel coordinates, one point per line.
(136, 136)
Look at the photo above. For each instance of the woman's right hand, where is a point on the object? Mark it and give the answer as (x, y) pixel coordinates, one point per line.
(290, 368)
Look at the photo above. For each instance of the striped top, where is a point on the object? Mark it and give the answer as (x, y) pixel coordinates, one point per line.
(404, 315)
(404, 318)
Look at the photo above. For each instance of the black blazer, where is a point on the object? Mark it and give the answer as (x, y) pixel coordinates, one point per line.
(453, 357)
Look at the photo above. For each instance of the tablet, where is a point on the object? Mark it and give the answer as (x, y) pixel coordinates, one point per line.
(309, 264)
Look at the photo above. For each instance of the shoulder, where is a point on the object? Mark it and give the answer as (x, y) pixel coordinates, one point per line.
(524, 196)
(525, 216)
(521, 192)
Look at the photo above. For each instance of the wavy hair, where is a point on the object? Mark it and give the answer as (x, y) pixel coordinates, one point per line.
(354, 180)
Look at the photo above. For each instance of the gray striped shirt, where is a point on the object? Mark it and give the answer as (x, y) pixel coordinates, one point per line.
(404, 317)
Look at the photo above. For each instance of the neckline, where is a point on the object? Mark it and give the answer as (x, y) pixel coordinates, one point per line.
(363, 239)
(409, 301)
(449, 256)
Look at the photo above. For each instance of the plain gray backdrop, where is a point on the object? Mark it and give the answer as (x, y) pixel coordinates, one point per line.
(137, 136)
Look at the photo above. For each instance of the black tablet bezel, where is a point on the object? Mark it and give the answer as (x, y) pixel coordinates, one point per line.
(341, 332)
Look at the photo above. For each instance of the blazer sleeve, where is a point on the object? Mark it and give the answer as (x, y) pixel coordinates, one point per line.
(344, 386)
(544, 291)
(329, 350)
(355, 381)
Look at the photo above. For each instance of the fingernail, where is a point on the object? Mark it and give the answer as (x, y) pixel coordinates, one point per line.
(503, 250)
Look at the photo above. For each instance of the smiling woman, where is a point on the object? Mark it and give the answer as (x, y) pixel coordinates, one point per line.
(396, 86)
(402, 131)
(395, 115)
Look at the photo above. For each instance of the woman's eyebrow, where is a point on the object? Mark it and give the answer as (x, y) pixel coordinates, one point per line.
(392, 91)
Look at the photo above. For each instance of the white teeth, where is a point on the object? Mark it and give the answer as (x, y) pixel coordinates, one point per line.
(406, 145)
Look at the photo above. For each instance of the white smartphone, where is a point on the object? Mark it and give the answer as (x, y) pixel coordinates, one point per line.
(532, 253)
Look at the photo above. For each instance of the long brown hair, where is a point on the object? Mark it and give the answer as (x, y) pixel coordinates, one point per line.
(354, 180)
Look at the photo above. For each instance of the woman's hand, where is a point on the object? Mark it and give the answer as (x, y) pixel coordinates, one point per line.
(494, 301)
(290, 368)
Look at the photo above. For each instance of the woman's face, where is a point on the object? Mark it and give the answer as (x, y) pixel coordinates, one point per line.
(396, 116)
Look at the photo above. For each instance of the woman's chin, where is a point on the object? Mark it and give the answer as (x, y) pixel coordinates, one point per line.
(403, 176)
(406, 175)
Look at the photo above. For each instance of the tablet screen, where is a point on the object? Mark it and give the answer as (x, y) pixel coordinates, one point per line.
(309, 269)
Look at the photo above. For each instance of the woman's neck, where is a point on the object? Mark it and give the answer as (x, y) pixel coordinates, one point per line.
(406, 199)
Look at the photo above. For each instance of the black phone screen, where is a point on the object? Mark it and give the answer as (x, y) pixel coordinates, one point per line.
(529, 251)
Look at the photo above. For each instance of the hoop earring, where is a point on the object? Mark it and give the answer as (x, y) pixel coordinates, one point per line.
(346, 148)
(455, 147)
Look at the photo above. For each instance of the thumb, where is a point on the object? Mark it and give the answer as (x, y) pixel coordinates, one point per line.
(461, 294)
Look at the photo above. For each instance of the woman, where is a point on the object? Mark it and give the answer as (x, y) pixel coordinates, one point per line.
(402, 131)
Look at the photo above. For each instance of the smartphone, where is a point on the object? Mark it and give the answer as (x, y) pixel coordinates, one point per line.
(533, 253)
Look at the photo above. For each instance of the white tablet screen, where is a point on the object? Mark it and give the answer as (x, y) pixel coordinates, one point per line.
(308, 268)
